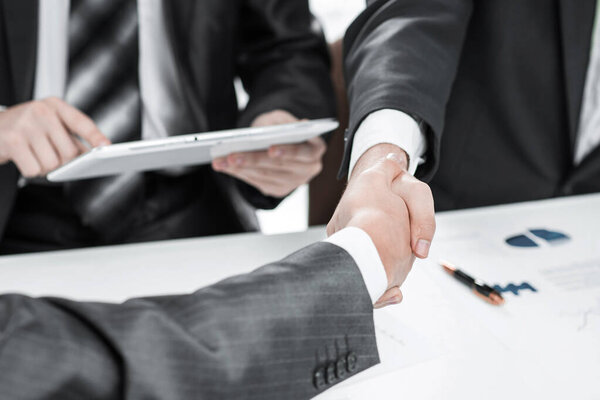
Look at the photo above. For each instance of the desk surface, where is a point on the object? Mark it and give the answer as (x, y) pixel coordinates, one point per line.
(471, 362)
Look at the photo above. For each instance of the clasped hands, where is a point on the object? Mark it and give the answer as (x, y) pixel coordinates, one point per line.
(394, 208)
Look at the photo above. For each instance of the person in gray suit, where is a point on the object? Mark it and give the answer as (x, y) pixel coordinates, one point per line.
(285, 331)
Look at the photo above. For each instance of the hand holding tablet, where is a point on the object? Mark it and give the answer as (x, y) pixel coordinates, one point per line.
(185, 150)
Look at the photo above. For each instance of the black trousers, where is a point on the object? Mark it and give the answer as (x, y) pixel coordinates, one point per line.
(173, 208)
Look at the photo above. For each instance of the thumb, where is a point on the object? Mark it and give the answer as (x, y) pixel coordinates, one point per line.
(421, 210)
(390, 297)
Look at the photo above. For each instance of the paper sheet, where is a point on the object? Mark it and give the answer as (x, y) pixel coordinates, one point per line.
(552, 311)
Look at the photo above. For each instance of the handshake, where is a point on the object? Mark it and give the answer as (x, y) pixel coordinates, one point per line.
(394, 208)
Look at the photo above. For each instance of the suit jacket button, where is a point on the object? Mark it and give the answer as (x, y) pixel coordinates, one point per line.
(331, 378)
(340, 368)
(351, 362)
(319, 378)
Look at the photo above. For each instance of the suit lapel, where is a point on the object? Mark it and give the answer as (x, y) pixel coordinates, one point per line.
(577, 21)
(21, 21)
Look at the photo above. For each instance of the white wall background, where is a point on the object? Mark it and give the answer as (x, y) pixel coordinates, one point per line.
(292, 214)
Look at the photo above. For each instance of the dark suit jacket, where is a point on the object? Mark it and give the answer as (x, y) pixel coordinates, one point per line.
(270, 334)
(271, 44)
(498, 84)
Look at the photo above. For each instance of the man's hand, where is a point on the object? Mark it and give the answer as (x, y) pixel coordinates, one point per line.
(38, 135)
(394, 208)
(415, 193)
(279, 170)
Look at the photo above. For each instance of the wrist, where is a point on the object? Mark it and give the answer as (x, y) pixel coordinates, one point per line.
(376, 153)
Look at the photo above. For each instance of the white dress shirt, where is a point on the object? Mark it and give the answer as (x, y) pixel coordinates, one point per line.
(398, 128)
(361, 248)
(588, 137)
(159, 87)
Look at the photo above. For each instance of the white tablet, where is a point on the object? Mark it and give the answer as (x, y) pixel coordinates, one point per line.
(185, 150)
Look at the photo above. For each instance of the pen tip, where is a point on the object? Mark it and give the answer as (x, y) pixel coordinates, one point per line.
(447, 266)
(496, 299)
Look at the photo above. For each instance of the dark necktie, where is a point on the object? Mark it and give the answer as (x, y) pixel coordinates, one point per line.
(103, 83)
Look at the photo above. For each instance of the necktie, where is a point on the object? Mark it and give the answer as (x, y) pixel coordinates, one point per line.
(103, 83)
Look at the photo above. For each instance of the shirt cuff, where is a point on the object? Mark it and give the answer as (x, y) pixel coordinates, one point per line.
(361, 248)
(393, 127)
(2, 108)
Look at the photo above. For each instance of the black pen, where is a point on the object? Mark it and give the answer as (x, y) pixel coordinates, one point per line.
(480, 289)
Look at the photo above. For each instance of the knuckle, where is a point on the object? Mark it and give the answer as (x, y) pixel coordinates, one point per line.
(70, 153)
(427, 227)
(321, 146)
(39, 108)
(317, 168)
(14, 140)
(423, 187)
(267, 172)
(52, 99)
(52, 165)
(31, 172)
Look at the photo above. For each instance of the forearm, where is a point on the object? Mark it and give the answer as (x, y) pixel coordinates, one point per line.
(416, 47)
(259, 334)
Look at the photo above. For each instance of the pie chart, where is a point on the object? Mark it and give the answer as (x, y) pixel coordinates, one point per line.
(538, 238)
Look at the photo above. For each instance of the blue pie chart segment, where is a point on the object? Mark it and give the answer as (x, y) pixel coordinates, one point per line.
(521, 241)
(549, 236)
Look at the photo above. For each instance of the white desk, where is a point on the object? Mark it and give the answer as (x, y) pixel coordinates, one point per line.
(471, 361)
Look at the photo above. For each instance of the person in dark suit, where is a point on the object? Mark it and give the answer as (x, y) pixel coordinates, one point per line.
(288, 330)
(493, 101)
(121, 70)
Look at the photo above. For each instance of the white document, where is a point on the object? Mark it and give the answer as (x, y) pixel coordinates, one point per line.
(551, 317)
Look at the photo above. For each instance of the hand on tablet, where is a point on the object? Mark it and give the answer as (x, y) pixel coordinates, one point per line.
(280, 169)
(38, 135)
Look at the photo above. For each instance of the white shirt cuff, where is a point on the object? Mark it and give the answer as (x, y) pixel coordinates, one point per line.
(2, 108)
(361, 248)
(393, 127)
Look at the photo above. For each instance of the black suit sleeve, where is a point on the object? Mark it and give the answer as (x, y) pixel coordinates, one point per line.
(270, 334)
(403, 55)
(283, 60)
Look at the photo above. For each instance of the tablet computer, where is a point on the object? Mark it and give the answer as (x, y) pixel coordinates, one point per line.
(185, 150)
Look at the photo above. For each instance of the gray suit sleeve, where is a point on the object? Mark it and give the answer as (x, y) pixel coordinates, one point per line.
(285, 331)
(403, 55)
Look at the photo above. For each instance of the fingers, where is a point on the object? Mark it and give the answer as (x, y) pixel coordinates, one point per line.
(276, 117)
(276, 186)
(285, 157)
(77, 122)
(269, 165)
(275, 173)
(62, 141)
(26, 162)
(45, 153)
(419, 202)
(390, 297)
(36, 135)
(309, 151)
